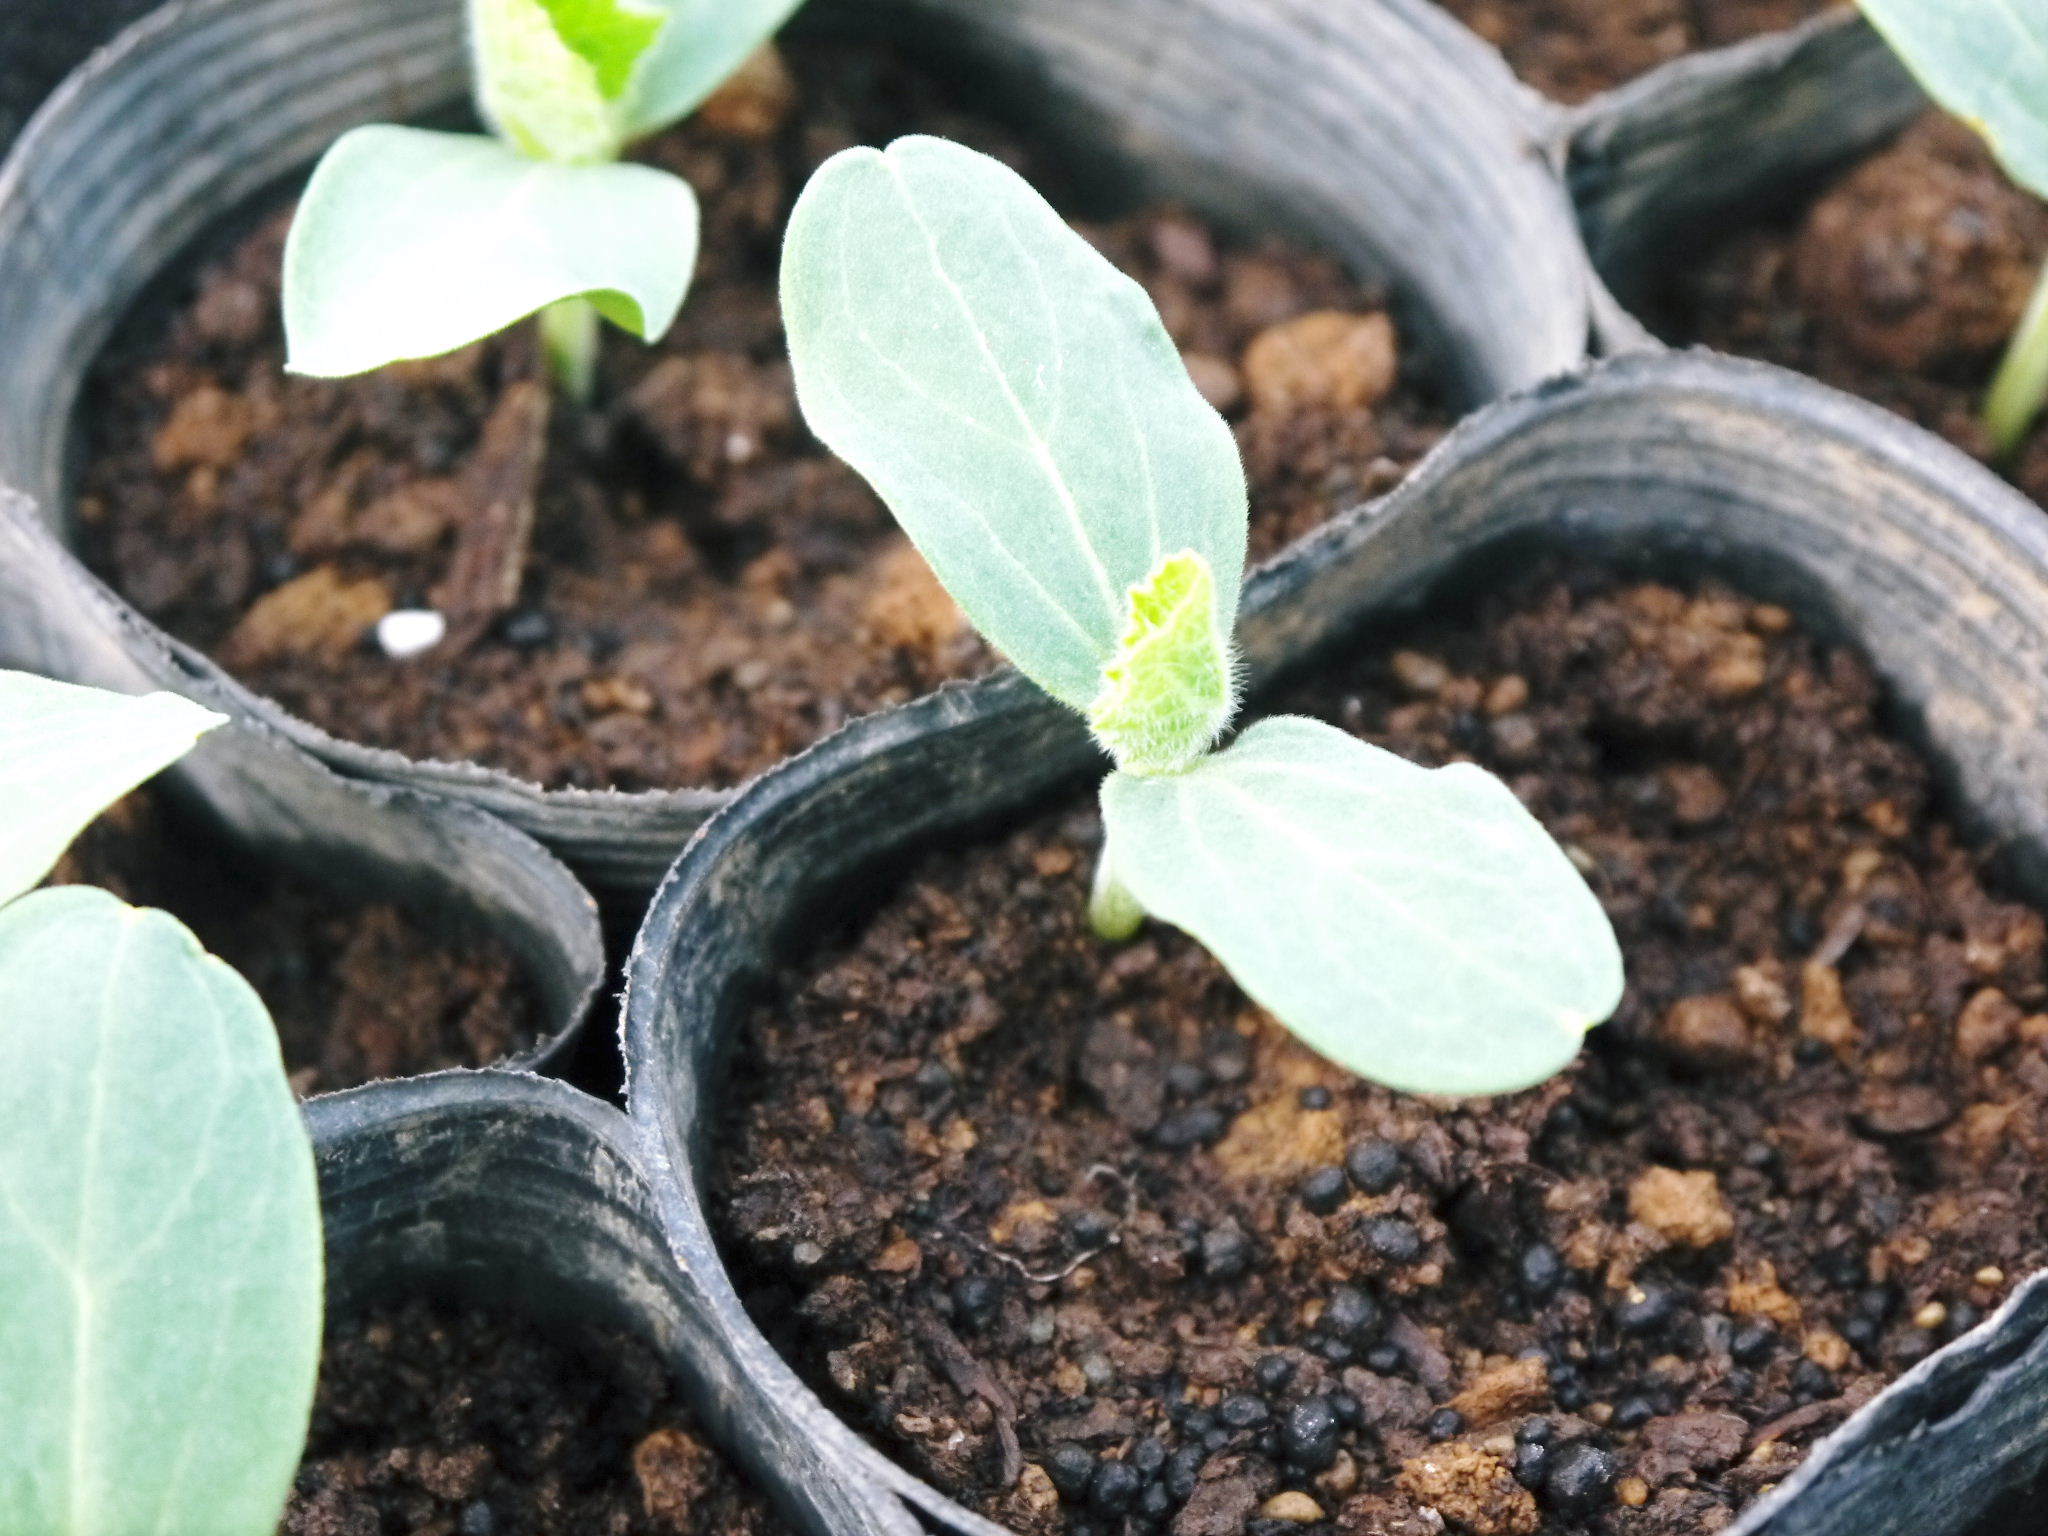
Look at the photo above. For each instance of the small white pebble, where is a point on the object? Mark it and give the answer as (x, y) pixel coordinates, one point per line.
(1933, 1315)
(411, 632)
(1990, 1274)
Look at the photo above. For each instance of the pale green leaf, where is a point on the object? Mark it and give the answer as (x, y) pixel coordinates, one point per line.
(1012, 396)
(160, 1274)
(410, 243)
(1986, 61)
(1417, 927)
(1169, 691)
(704, 42)
(67, 753)
(551, 74)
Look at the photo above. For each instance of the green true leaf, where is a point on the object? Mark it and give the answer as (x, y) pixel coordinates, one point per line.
(1417, 927)
(551, 74)
(705, 41)
(1168, 691)
(1012, 396)
(410, 243)
(160, 1273)
(1986, 61)
(68, 753)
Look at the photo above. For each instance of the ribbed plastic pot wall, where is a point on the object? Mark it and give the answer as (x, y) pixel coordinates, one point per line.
(519, 1194)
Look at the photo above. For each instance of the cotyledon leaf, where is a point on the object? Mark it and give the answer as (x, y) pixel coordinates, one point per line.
(703, 43)
(1011, 395)
(67, 753)
(160, 1271)
(1986, 61)
(411, 243)
(1418, 927)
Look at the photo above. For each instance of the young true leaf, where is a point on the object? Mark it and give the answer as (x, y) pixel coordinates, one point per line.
(411, 243)
(1012, 396)
(159, 1232)
(1021, 408)
(550, 73)
(1986, 61)
(705, 41)
(1418, 927)
(68, 753)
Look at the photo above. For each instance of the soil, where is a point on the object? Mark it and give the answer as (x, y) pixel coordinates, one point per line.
(707, 589)
(1901, 282)
(357, 989)
(1075, 1232)
(1574, 49)
(460, 1423)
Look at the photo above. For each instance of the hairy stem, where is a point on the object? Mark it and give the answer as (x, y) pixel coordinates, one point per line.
(2021, 387)
(1113, 912)
(568, 333)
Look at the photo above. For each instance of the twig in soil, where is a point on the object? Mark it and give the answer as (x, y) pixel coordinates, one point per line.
(499, 487)
(1108, 1175)
(1842, 935)
(970, 1378)
(1809, 1416)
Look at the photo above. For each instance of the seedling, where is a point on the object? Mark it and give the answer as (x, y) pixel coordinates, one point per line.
(1986, 61)
(160, 1267)
(1018, 403)
(411, 243)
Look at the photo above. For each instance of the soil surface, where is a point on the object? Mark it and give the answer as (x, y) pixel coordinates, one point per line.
(1902, 282)
(443, 1422)
(708, 590)
(1077, 1233)
(1573, 49)
(358, 990)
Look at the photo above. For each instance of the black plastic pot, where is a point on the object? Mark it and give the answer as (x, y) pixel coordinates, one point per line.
(519, 1194)
(41, 45)
(1870, 530)
(1380, 131)
(445, 863)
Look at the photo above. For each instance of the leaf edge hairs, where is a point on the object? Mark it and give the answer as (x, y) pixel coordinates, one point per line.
(1019, 405)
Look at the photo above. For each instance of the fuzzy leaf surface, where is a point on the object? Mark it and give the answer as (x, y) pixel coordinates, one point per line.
(703, 43)
(67, 753)
(411, 243)
(551, 74)
(160, 1273)
(1985, 61)
(1417, 927)
(1013, 398)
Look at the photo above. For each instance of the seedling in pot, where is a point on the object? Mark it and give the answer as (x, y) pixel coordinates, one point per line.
(160, 1246)
(1018, 403)
(1986, 61)
(411, 243)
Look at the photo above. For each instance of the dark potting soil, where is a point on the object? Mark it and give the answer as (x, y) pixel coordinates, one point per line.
(461, 1423)
(1077, 1233)
(708, 589)
(1573, 49)
(358, 990)
(1901, 282)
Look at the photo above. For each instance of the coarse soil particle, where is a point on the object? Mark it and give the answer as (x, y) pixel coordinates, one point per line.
(1028, 1208)
(358, 990)
(1573, 49)
(434, 1419)
(708, 590)
(1901, 282)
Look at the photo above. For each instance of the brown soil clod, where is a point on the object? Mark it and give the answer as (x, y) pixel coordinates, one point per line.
(432, 1418)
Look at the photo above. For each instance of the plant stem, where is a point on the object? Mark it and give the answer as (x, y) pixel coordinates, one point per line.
(2021, 387)
(1113, 912)
(568, 333)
